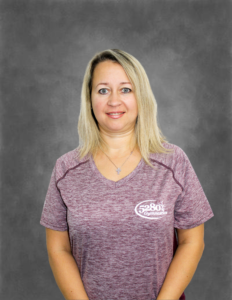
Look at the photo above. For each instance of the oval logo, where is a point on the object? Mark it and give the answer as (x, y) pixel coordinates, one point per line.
(149, 210)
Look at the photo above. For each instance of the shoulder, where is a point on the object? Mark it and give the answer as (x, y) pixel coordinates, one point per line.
(68, 161)
(177, 162)
(178, 156)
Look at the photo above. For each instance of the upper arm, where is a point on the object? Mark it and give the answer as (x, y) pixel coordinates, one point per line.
(57, 241)
(192, 235)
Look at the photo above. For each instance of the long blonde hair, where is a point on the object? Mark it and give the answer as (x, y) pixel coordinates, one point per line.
(149, 137)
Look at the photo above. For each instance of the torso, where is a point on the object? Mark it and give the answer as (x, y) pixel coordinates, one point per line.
(108, 169)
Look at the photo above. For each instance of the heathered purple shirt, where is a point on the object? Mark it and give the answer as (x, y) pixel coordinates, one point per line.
(122, 233)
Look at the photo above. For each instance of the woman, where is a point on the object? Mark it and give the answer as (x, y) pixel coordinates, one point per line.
(113, 203)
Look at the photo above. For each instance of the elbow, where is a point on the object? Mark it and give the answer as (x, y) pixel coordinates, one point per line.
(200, 249)
(195, 247)
(57, 255)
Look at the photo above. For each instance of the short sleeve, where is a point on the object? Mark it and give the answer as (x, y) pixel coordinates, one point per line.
(192, 208)
(54, 213)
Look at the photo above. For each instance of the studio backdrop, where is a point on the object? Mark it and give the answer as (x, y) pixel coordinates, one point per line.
(184, 46)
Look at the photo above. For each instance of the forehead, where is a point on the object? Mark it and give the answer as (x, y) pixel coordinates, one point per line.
(109, 70)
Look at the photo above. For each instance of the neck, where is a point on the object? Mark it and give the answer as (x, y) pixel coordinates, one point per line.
(118, 145)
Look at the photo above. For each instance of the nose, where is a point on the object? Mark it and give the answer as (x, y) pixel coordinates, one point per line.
(114, 99)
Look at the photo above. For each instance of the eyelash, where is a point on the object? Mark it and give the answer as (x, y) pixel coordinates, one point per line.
(122, 89)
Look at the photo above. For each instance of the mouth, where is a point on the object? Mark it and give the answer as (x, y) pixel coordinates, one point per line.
(115, 114)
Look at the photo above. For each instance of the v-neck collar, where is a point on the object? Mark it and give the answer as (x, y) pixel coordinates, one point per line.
(120, 182)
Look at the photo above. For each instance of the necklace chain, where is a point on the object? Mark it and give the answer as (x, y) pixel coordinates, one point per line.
(118, 169)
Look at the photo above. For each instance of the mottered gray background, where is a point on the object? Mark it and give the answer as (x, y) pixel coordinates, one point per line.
(184, 47)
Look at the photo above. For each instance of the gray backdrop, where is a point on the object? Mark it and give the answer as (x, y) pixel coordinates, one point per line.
(184, 47)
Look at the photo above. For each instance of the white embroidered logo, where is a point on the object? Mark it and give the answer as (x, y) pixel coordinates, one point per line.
(149, 210)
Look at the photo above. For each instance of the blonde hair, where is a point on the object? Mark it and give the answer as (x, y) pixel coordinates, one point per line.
(149, 137)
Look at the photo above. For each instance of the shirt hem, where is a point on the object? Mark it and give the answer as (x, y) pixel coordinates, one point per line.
(179, 226)
(53, 227)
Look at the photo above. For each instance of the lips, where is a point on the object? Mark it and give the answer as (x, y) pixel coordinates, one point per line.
(115, 116)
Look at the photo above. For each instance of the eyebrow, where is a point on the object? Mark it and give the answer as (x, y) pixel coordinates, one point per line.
(106, 83)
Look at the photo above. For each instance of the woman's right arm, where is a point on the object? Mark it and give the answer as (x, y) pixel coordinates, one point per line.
(63, 265)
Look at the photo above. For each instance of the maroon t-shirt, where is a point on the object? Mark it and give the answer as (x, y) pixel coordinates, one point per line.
(122, 233)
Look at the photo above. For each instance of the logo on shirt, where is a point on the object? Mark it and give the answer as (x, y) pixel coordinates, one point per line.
(149, 210)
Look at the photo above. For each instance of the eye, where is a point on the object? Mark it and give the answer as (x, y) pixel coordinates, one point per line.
(102, 91)
(126, 90)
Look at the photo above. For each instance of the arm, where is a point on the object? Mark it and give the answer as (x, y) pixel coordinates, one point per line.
(183, 266)
(64, 266)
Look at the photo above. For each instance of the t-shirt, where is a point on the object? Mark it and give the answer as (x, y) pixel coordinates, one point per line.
(121, 233)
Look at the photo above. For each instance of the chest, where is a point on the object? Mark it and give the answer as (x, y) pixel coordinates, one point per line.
(118, 168)
(144, 203)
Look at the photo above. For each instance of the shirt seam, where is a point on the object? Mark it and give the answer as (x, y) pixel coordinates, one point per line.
(65, 174)
(173, 174)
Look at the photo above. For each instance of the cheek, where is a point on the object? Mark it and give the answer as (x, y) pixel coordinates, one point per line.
(98, 107)
(132, 105)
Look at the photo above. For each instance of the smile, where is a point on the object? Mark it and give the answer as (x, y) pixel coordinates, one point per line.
(115, 115)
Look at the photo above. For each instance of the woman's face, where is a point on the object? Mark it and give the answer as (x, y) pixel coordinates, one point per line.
(113, 92)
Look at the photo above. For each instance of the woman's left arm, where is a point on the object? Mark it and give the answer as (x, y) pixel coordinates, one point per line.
(183, 266)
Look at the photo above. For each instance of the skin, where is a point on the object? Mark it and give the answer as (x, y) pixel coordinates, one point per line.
(110, 95)
(119, 137)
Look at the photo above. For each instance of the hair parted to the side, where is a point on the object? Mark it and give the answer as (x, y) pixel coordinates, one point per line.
(149, 137)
